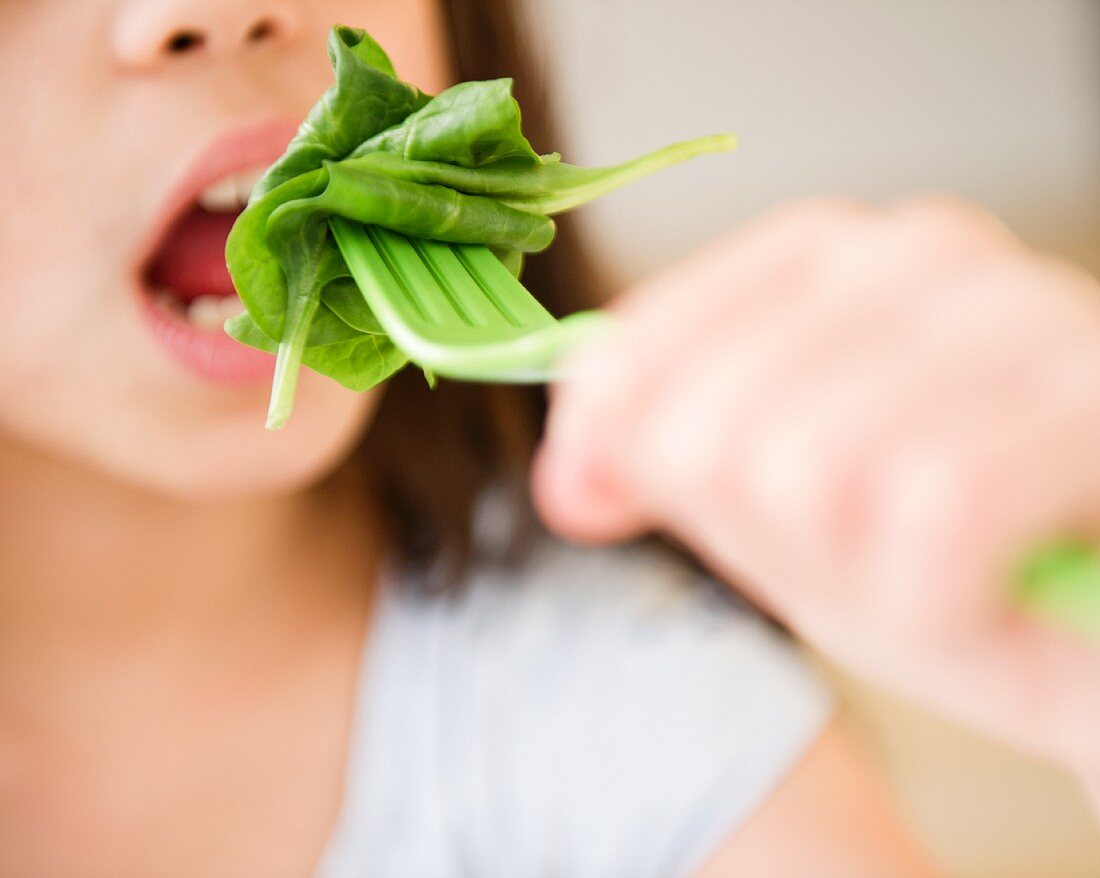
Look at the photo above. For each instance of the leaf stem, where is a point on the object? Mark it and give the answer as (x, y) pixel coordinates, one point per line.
(288, 359)
(594, 182)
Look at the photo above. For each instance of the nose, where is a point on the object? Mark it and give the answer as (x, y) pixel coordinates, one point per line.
(148, 35)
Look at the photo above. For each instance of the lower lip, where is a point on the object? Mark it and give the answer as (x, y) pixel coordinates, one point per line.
(209, 354)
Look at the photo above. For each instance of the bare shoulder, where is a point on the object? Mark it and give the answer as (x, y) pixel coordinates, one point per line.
(829, 818)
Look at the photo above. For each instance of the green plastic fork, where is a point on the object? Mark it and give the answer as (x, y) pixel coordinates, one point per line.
(456, 311)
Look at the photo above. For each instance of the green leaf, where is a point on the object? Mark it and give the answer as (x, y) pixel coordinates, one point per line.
(244, 329)
(331, 324)
(257, 271)
(367, 98)
(310, 262)
(359, 362)
(470, 124)
(439, 213)
(454, 168)
(547, 187)
(343, 298)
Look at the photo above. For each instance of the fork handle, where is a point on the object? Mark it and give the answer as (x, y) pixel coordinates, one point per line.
(577, 330)
(1060, 583)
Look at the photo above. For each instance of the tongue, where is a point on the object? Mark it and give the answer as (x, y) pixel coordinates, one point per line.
(191, 261)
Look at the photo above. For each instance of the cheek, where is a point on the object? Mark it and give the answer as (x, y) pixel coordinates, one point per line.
(82, 379)
(67, 327)
(53, 299)
(63, 225)
(64, 235)
(60, 338)
(79, 375)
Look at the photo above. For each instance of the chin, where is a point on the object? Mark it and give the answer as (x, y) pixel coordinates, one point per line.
(202, 457)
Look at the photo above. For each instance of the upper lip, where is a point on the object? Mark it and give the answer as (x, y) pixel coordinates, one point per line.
(232, 152)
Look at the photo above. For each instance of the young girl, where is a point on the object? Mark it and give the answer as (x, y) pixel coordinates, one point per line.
(340, 650)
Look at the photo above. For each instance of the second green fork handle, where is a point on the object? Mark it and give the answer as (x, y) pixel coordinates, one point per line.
(1061, 584)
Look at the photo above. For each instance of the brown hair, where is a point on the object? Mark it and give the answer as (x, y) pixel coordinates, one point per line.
(431, 453)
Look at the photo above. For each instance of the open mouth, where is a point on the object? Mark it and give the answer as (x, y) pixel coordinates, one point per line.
(184, 288)
(183, 285)
(186, 291)
(185, 277)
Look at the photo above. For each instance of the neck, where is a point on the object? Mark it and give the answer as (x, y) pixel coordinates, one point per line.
(87, 559)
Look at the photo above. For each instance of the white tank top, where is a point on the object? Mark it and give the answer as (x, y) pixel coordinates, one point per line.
(595, 714)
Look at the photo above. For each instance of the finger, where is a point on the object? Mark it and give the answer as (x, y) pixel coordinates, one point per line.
(744, 376)
(811, 467)
(810, 471)
(947, 216)
(968, 493)
(655, 326)
(577, 500)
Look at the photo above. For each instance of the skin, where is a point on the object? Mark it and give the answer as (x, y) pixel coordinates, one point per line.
(183, 602)
(863, 416)
(164, 562)
(837, 809)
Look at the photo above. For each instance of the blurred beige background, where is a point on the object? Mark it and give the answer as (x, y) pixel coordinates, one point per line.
(995, 99)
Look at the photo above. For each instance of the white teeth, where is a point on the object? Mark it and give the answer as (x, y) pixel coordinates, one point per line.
(231, 306)
(210, 312)
(230, 193)
(220, 197)
(205, 312)
(245, 183)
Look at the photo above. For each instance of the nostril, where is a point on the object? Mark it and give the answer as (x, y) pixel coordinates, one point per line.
(147, 35)
(183, 41)
(261, 30)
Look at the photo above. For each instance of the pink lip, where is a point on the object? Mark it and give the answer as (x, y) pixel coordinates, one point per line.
(209, 354)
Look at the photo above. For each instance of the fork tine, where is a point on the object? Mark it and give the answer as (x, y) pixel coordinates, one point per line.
(467, 297)
(422, 304)
(417, 282)
(384, 292)
(501, 287)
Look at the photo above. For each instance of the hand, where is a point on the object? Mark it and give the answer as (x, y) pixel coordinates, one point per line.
(864, 419)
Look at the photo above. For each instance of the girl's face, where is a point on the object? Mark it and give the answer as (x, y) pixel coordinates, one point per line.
(133, 130)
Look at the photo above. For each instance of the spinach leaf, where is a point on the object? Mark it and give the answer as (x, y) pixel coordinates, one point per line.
(455, 167)
(286, 303)
(358, 361)
(258, 273)
(425, 211)
(470, 124)
(547, 186)
(367, 98)
(343, 298)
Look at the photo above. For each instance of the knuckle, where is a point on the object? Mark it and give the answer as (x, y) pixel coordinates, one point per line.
(796, 474)
(832, 207)
(951, 221)
(941, 493)
(933, 512)
(803, 480)
(672, 456)
(686, 458)
(821, 213)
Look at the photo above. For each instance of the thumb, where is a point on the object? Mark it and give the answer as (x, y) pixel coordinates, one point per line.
(577, 496)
